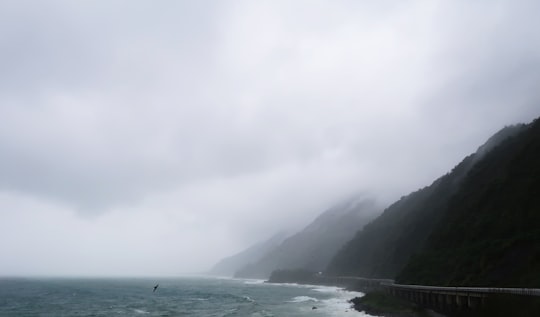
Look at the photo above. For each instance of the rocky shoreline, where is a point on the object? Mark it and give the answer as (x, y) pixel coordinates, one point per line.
(382, 304)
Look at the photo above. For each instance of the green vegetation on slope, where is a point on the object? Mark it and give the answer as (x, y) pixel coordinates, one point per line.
(490, 232)
(385, 246)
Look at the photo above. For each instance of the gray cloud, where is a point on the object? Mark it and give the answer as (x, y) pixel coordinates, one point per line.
(221, 123)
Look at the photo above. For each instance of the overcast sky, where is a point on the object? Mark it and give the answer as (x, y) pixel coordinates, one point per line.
(156, 137)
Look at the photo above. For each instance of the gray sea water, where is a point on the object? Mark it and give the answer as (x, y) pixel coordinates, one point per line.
(174, 297)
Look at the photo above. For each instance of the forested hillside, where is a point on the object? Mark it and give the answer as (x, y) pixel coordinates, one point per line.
(490, 232)
(385, 246)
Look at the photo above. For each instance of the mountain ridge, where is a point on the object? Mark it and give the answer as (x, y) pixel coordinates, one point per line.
(497, 215)
(314, 246)
(384, 246)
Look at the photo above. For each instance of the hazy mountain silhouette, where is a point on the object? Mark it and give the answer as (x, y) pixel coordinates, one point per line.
(313, 247)
(229, 265)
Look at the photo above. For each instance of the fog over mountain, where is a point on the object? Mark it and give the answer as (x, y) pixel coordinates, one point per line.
(155, 138)
(314, 246)
(228, 266)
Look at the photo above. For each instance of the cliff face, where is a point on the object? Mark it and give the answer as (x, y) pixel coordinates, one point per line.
(385, 246)
(313, 247)
(490, 232)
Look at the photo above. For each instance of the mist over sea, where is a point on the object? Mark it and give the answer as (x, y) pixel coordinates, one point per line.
(174, 297)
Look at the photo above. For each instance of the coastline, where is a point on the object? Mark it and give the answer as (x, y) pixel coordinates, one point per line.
(378, 303)
(372, 302)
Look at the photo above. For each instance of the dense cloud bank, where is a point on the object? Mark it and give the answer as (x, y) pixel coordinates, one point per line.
(132, 131)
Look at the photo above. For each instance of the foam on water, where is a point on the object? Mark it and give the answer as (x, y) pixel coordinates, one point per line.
(338, 304)
(253, 282)
(249, 299)
(327, 289)
(292, 285)
(301, 299)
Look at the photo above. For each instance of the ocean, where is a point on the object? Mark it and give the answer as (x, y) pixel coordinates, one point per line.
(218, 297)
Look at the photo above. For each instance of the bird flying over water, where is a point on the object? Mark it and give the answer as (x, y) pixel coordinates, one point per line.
(155, 288)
